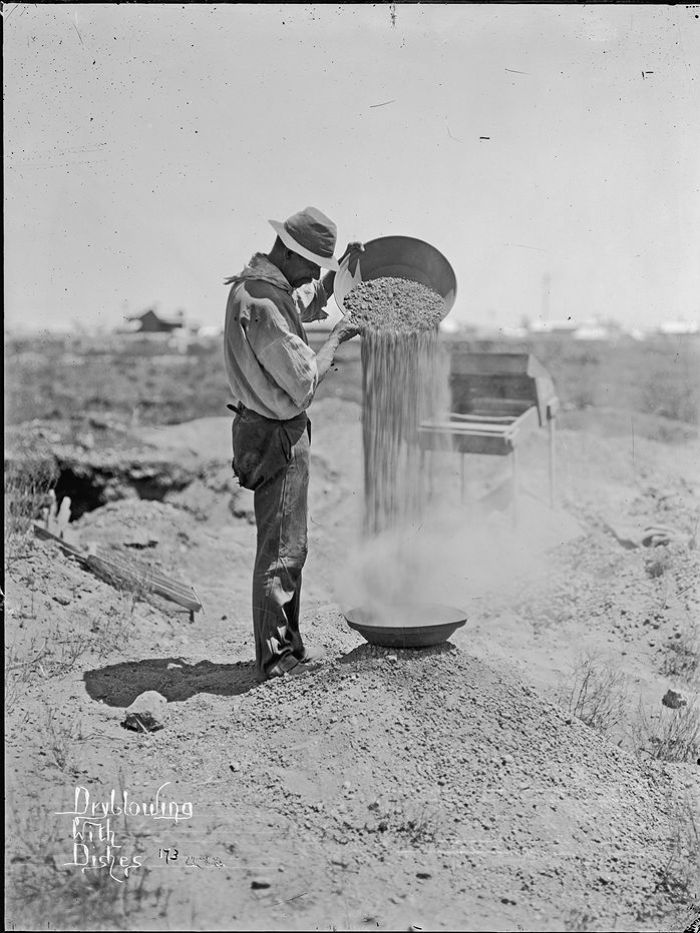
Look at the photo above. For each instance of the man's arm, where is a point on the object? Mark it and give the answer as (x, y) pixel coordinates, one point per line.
(311, 299)
(285, 358)
(345, 329)
(289, 362)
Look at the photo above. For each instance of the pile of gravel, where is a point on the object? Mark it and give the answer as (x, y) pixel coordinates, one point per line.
(433, 763)
(393, 304)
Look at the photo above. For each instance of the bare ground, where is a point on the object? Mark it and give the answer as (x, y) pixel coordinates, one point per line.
(466, 787)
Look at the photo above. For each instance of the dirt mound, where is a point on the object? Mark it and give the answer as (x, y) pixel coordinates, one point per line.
(412, 787)
(133, 523)
(618, 422)
(443, 789)
(458, 779)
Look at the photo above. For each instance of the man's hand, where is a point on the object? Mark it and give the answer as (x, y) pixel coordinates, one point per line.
(354, 250)
(345, 329)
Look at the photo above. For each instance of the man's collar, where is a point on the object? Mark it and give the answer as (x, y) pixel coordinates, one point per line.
(261, 269)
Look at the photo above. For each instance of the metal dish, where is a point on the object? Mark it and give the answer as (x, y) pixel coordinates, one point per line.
(406, 626)
(401, 257)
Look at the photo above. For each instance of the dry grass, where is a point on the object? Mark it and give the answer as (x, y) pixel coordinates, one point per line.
(139, 379)
(680, 874)
(23, 662)
(30, 474)
(595, 693)
(18, 670)
(132, 376)
(58, 741)
(682, 656)
(46, 894)
(675, 903)
(418, 825)
(13, 682)
(667, 734)
(51, 655)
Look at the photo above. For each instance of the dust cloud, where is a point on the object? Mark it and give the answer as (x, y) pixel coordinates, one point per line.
(453, 555)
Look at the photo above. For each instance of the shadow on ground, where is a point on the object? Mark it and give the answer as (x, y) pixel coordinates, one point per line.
(176, 680)
(173, 678)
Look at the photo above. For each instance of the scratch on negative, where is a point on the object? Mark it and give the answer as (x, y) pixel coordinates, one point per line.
(75, 26)
(288, 899)
(384, 103)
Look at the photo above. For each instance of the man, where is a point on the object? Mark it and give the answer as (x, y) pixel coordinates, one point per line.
(273, 375)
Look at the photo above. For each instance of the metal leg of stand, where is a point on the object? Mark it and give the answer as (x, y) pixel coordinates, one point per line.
(514, 464)
(552, 465)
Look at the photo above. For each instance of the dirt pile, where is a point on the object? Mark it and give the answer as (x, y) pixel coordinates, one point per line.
(463, 773)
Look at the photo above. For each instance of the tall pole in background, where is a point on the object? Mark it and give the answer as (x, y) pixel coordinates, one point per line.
(546, 289)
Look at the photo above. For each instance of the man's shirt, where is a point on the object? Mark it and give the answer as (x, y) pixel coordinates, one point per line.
(270, 367)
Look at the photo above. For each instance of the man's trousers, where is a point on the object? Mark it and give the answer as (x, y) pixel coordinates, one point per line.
(272, 458)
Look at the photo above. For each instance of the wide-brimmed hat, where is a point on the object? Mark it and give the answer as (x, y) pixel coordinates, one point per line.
(310, 234)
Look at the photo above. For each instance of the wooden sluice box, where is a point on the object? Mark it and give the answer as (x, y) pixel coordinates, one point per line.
(497, 399)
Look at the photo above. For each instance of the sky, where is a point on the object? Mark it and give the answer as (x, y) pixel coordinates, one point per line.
(147, 145)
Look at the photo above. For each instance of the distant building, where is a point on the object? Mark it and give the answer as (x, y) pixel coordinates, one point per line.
(514, 333)
(210, 330)
(560, 328)
(591, 330)
(679, 329)
(148, 322)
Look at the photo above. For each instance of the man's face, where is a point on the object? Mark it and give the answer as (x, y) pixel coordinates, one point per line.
(300, 271)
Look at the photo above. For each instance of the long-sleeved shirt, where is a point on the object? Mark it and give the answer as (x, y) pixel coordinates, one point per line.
(270, 367)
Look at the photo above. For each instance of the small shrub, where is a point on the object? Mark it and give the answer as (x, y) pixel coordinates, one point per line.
(18, 670)
(679, 874)
(669, 735)
(672, 399)
(657, 563)
(595, 694)
(682, 656)
(30, 474)
(419, 827)
(58, 742)
(46, 894)
(69, 650)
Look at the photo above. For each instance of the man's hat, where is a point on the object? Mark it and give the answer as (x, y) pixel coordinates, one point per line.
(310, 234)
